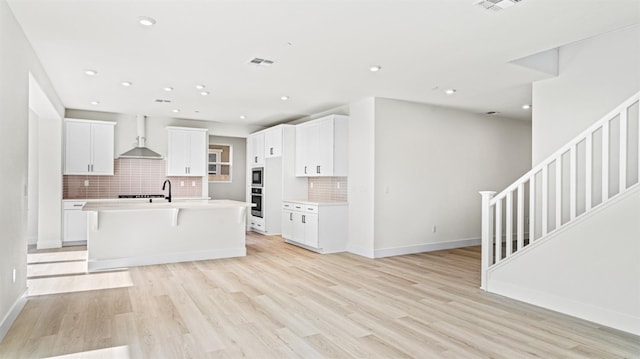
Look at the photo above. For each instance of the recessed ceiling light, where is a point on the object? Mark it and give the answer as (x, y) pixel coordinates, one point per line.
(90, 72)
(146, 21)
(284, 98)
(242, 117)
(197, 111)
(126, 83)
(200, 87)
(526, 107)
(95, 102)
(168, 89)
(375, 68)
(176, 110)
(450, 91)
(204, 93)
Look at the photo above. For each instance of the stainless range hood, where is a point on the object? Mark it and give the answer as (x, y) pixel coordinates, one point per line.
(141, 151)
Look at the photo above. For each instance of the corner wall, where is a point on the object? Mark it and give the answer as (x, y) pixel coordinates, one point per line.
(430, 164)
(17, 61)
(595, 76)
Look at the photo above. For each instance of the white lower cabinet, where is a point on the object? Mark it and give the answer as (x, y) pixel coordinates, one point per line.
(75, 223)
(321, 227)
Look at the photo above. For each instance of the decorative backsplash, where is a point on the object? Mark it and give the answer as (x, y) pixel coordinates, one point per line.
(131, 176)
(327, 189)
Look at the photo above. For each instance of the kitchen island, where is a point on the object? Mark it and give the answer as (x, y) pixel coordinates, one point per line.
(133, 233)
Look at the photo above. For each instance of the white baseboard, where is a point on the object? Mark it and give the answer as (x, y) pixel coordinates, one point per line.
(361, 252)
(47, 244)
(426, 247)
(11, 316)
(102, 264)
(603, 316)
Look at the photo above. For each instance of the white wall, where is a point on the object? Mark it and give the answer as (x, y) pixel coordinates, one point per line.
(430, 164)
(361, 177)
(589, 270)
(17, 61)
(235, 190)
(596, 75)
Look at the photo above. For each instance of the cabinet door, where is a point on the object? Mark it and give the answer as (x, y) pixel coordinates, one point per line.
(273, 143)
(311, 230)
(197, 153)
(77, 148)
(298, 227)
(323, 165)
(178, 153)
(75, 225)
(102, 149)
(287, 224)
(306, 147)
(257, 149)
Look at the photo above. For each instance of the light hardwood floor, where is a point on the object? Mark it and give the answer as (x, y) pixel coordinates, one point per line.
(282, 301)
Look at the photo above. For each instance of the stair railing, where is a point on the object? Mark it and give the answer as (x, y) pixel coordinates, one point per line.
(602, 162)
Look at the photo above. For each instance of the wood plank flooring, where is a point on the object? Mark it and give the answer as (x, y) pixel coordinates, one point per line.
(282, 301)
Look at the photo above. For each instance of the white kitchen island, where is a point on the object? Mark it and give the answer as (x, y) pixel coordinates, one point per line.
(133, 233)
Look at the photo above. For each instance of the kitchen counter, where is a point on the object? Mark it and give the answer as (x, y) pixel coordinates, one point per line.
(159, 203)
(317, 203)
(124, 233)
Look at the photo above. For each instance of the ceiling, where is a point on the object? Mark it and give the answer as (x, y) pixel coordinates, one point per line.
(322, 52)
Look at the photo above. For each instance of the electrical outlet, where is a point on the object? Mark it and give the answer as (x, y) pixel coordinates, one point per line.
(14, 275)
(434, 229)
(86, 183)
(338, 185)
(193, 183)
(310, 184)
(181, 183)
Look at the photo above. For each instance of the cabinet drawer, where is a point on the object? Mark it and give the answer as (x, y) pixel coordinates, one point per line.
(287, 205)
(74, 205)
(310, 208)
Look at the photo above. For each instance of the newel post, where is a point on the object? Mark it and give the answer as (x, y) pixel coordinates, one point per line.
(487, 236)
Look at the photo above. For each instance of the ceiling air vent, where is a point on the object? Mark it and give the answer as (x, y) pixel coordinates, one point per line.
(260, 62)
(496, 5)
(162, 101)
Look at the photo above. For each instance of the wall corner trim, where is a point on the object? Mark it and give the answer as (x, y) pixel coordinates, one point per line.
(13, 313)
(426, 247)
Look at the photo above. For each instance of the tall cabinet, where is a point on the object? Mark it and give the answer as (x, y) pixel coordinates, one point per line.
(273, 149)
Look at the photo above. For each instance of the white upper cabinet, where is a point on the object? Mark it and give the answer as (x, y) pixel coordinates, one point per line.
(88, 148)
(187, 149)
(273, 142)
(321, 147)
(256, 149)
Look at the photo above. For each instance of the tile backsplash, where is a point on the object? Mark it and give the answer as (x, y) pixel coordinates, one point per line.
(327, 189)
(131, 176)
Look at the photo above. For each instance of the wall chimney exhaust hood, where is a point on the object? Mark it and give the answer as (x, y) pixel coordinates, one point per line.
(140, 151)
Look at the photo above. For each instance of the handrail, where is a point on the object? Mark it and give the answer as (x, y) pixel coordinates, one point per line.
(593, 128)
(506, 228)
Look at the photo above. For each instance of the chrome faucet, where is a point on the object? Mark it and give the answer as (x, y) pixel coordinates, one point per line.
(168, 198)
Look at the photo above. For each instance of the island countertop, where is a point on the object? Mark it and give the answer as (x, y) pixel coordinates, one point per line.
(124, 205)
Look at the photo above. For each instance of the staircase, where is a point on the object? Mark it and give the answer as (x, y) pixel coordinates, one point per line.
(596, 170)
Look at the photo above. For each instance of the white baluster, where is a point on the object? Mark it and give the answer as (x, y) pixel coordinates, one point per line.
(573, 179)
(558, 191)
(520, 217)
(487, 236)
(545, 200)
(509, 224)
(605, 161)
(532, 208)
(498, 231)
(623, 150)
(588, 171)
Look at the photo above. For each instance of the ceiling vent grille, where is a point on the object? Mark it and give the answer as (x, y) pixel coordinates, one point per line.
(162, 101)
(260, 62)
(496, 5)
